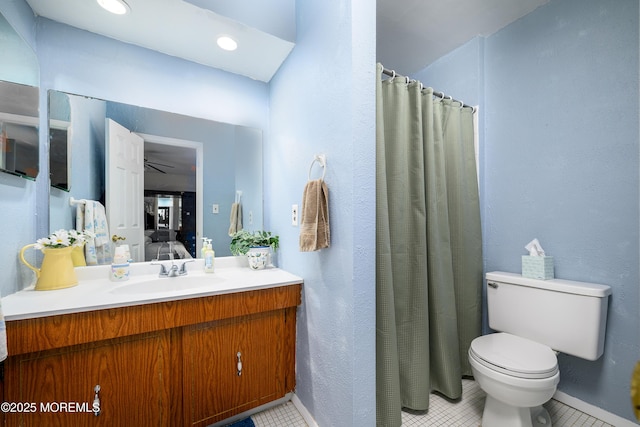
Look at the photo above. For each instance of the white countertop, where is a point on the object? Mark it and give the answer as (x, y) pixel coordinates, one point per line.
(96, 292)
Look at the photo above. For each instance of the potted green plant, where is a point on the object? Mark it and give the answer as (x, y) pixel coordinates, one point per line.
(256, 245)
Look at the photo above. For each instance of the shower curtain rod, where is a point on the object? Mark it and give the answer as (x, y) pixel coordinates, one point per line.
(392, 73)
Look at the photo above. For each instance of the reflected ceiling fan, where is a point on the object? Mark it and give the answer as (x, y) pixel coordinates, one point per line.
(155, 166)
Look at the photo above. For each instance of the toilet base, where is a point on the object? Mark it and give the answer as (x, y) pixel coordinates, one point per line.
(540, 417)
(499, 414)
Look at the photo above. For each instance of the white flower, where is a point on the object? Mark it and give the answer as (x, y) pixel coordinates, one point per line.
(60, 239)
(63, 239)
(76, 238)
(41, 243)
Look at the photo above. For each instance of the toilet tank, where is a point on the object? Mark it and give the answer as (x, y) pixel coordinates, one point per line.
(570, 317)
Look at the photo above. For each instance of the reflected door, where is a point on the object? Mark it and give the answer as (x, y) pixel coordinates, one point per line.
(125, 186)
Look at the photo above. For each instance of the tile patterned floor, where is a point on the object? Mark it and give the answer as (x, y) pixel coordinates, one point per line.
(285, 415)
(442, 413)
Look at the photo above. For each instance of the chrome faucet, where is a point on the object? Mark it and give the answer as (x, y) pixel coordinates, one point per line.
(173, 270)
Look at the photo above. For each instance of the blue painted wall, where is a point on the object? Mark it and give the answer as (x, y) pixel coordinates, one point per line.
(322, 102)
(18, 195)
(560, 162)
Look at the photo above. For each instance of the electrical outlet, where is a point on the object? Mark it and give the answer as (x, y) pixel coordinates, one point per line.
(215, 209)
(294, 215)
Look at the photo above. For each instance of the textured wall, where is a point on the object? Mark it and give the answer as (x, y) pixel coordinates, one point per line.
(562, 165)
(322, 101)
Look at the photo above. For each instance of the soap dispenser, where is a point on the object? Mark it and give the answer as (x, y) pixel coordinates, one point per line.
(209, 258)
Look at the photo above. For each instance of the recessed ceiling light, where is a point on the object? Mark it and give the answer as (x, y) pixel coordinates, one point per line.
(227, 43)
(118, 7)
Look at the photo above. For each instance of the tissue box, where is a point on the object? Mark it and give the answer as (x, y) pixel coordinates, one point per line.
(537, 267)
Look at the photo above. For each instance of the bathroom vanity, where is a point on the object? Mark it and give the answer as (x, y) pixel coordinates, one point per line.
(188, 357)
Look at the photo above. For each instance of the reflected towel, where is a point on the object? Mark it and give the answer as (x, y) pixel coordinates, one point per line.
(3, 336)
(235, 219)
(91, 216)
(314, 221)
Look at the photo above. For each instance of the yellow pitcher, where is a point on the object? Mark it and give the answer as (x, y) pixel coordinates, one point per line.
(57, 268)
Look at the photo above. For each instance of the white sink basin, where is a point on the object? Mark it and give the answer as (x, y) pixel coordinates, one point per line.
(167, 284)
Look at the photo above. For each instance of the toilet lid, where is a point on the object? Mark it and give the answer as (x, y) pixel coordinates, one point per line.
(515, 355)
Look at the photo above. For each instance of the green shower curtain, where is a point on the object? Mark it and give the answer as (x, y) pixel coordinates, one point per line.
(429, 247)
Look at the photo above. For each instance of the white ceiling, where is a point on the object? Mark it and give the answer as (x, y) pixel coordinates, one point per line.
(180, 29)
(411, 34)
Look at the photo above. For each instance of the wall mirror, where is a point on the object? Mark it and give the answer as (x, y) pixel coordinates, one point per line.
(175, 207)
(18, 104)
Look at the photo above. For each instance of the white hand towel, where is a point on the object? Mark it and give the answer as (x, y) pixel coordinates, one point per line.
(91, 216)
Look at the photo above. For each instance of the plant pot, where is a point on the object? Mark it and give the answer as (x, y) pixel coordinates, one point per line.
(258, 257)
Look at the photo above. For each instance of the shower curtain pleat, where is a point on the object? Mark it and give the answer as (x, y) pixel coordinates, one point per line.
(428, 256)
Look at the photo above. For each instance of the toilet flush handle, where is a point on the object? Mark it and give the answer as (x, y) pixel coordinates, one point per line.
(492, 285)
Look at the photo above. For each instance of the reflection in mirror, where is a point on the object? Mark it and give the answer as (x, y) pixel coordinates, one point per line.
(169, 217)
(19, 129)
(231, 159)
(19, 63)
(59, 116)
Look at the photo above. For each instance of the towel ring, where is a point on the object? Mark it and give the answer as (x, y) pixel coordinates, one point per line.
(322, 160)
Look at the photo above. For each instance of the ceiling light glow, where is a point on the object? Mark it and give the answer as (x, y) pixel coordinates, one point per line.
(118, 7)
(227, 43)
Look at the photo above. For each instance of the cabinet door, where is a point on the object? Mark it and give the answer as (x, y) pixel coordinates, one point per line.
(215, 387)
(131, 374)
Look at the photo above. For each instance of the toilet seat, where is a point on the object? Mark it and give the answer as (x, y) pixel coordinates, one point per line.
(514, 356)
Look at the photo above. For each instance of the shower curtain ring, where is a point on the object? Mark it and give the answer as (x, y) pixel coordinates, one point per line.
(393, 76)
(407, 80)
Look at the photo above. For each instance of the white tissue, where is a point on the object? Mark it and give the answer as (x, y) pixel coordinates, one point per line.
(534, 248)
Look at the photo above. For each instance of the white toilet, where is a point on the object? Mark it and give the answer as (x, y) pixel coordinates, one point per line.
(517, 367)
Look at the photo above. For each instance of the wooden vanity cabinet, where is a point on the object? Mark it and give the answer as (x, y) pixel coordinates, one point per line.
(57, 387)
(231, 367)
(163, 364)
